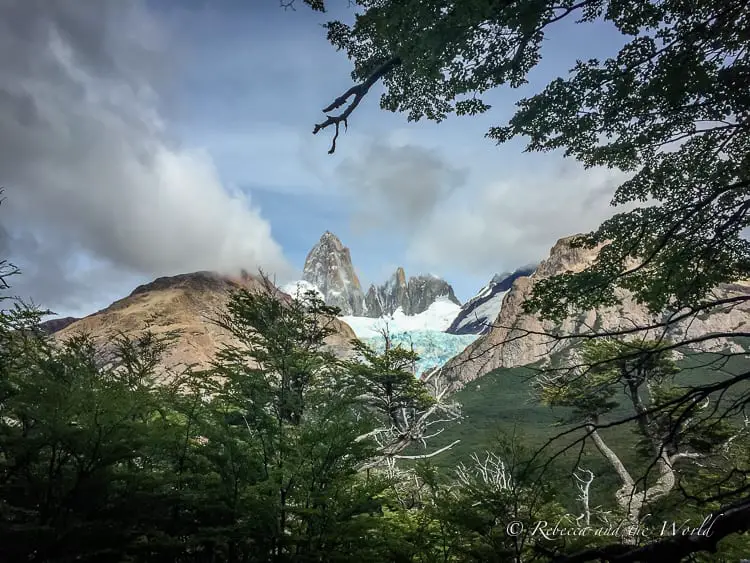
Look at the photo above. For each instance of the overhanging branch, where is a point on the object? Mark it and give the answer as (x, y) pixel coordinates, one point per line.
(731, 519)
(358, 91)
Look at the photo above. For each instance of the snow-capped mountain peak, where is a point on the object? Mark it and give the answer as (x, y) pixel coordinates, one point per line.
(413, 296)
(480, 312)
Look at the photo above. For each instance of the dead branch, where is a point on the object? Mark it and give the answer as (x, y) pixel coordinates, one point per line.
(492, 472)
(358, 91)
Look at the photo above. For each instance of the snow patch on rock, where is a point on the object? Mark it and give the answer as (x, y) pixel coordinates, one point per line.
(298, 289)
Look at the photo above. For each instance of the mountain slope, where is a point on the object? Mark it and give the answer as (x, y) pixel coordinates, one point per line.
(480, 311)
(186, 303)
(507, 345)
(54, 325)
(505, 400)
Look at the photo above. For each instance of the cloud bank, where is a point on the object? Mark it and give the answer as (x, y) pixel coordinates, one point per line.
(398, 186)
(515, 221)
(473, 222)
(93, 183)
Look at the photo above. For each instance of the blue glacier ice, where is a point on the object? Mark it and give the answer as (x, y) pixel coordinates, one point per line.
(434, 348)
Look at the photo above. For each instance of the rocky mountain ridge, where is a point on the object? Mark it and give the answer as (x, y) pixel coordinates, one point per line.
(54, 325)
(413, 296)
(328, 267)
(478, 314)
(508, 343)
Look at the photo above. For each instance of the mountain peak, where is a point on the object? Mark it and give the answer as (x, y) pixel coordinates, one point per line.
(186, 303)
(329, 240)
(480, 312)
(412, 296)
(329, 236)
(329, 268)
(400, 276)
(198, 281)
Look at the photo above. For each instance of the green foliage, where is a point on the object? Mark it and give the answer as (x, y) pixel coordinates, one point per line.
(669, 108)
(292, 411)
(606, 366)
(387, 380)
(73, 437)
(646, 371)
(495, 489)
(259, 458)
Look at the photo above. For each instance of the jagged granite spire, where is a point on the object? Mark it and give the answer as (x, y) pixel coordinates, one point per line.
(385, 299)
(328, 267)
(413, 296)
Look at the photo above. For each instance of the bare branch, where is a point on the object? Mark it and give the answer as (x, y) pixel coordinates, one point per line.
(730, 519)
(585, 478)
(358, 92)
(431, 454)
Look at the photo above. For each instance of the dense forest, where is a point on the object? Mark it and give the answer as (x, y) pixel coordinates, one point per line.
(282, 452)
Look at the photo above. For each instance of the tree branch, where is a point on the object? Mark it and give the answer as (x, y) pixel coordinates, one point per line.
(731, 519)
(358, 91)
(431, 454)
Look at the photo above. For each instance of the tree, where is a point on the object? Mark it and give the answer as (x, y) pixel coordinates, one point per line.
(292, 417)
(404, 409)
(84, 467)
(270, 455)
(498, 505)
(316, 438)
(670, 109)
(667, 436)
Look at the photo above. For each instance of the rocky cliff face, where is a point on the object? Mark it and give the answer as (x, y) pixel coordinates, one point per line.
(386, 298)
(478, 314)
(329, 268)
(508, 345)
(413, 296)
(186, 303)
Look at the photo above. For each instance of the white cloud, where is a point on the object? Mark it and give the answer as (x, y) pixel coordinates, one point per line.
(398, 187)
(455, 217)
(515, 221)
(86, 158)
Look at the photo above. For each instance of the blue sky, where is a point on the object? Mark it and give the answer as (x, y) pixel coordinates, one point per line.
(177, 136)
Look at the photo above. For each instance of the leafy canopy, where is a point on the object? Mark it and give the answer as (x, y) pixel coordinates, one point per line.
(671, 109)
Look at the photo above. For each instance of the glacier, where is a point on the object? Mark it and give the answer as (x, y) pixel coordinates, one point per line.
(424, 331)
(433, 347)
(438, 317)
